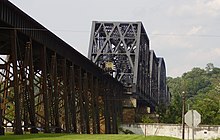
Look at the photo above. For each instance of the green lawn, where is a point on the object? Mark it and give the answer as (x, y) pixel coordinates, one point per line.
(80, 137)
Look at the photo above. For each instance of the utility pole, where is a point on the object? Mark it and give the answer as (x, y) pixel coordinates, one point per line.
(183, 115)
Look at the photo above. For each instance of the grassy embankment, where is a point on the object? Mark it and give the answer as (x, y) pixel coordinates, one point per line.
(81, 137)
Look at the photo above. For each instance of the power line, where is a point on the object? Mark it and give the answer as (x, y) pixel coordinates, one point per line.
(84, 31)
(186, 35)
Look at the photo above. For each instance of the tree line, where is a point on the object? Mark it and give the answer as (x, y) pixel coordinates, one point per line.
(201, 89)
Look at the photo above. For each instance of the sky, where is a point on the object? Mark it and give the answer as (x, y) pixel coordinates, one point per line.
(186, 33)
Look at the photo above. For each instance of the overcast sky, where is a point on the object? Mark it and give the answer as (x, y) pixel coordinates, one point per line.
(185, 32)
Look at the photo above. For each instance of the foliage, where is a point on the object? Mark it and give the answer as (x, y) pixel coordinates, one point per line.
(146, 119)
(202, 93)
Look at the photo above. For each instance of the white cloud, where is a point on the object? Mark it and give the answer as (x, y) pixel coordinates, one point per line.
(178, 71)
(203, 55)
(213, 7)
(194, 30)
(196, 58)
(197, 8)
(171, 39)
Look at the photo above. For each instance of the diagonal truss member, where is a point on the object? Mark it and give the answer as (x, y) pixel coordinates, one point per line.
(122, 50)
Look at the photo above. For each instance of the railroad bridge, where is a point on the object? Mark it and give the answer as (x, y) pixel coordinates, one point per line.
(46, 84)
(122, 49)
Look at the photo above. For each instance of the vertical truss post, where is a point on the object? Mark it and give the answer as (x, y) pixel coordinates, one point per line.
(66, 107)
(73, 99)
(18, 128)
(44, 91)
(137, 59)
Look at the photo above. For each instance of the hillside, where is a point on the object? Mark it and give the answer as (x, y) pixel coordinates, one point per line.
(201, 88)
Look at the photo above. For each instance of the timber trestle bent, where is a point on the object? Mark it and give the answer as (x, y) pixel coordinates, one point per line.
(46, 85)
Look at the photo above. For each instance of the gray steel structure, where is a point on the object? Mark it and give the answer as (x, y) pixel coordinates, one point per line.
(163, 92)
(45, 83)
(154, 79)
(158, 86)
(125, 45)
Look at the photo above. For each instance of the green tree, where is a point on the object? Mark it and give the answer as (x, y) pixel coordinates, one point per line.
(202, 88)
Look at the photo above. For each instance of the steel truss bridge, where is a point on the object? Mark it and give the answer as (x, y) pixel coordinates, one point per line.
(46, 84)
(122, 50)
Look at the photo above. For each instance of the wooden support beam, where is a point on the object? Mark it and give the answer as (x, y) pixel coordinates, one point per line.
(73, 99)
(24, 88)
(45, 89)
(96, 106)
(113, 109)
(65, 96)
(6, 87)
(92, 89)
(86, 102)
(80, 92)
(18, 128)
(55, 94)
(2, 104)
(31, 88)
(107, 108)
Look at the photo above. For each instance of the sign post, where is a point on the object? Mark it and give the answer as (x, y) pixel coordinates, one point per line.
(192, 124)
(192, 119)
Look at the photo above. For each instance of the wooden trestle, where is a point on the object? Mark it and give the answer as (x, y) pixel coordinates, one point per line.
(47, 85)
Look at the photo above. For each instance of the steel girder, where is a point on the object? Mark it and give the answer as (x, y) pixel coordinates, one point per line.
(158, 87)
(122, 50)
(154, 77)
(126, 46)
(46, 84)
(163, 93)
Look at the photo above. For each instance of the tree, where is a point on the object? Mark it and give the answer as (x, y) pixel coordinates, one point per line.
(209, 67)
(202, 88)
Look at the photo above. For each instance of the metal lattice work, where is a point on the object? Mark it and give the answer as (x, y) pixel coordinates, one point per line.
(113, 47)
(122, 50)
(163, 94)
(116, 47)
(153, 77)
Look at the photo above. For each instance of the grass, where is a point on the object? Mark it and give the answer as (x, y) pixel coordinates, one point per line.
(81, 137)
